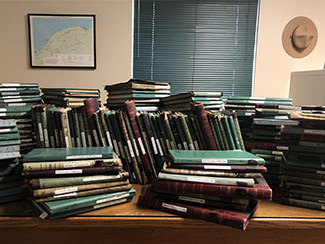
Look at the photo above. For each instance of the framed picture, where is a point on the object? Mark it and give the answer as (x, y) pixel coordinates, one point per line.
(62, 41)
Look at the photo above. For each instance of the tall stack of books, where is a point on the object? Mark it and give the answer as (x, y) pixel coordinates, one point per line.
(68, 181)
(11, 180)
(219, 186)
(303, 173)
(145, 94)
(16, 102)
(63, 97)
(184, 102)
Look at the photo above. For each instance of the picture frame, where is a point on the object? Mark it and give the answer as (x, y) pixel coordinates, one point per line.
(62, 40)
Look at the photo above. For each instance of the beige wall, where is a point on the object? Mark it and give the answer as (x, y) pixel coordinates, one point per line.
(114, 29)
(114, 41)
(273, 64)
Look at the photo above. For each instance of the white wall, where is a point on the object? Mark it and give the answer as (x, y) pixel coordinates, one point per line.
(273, 64)
(113, 33)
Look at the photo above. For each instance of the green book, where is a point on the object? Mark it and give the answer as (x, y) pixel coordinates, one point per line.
(186, 131)
(9, 142)
(19, 85)
(156, 135)
(180, 131)
(15, 109)
(214, 157)
(246, 182)
(52, 154)
(76, 127)
(225, 121)
(60, 206)
(71, 128)
(199, 128)
(9, 136)
(160, 133)
(259, 98)
(8, 130)
(213, 130)
(234, 132)
(304, 203)
(192, 132)
(171, 139)
(215, 123)
(112, 133)
(223, 132)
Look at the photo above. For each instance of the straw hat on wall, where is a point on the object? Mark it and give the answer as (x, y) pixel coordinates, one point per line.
(299, 37)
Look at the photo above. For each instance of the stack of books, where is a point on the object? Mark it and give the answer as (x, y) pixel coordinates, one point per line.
(68, 181)
(68, 127)
(63, 97)
(303, 173)
(16, 102)
(145, 94)
(219, 186)
(184, 102)
(11, 180)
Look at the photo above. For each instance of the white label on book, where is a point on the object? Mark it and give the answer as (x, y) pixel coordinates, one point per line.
(4, 130)
(102, 177)
(284, 148)
(76, 165)
(141, 146)
(117, 151)
(13, 100)
(310, 131)
(10, 93)
(10, 84)
(130, 148)
(78, 142)
(65, 190)
(179, 146)
(104, 142)
(127, 153)
(135, 147)
(185, 145)
(321, 201)
(172, 145)
(3, 114)
(160, 87)
(71, 171)
(202, 180)
(323, 165)
(108, 135)
(52, 140)
(83, 139)
(210, 172)
(3, 110)
(323, 207)
(159, 148)
(110, 203)
(84, 156)
(16, 104)
(249, 114)
(174, 207)
(322, 184)
(214, 161)
(40, 131)
(191, 146)
(66, 195)
(46, 138)
(96, 138)
(320, 172)
(191, 199)
(196, 145)
(67, 141)
(154, 146)
(90, 141)
(43, 215)
(112, 198)
(168, 144)
(220, 167)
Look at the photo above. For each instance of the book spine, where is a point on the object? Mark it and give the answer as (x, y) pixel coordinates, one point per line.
(112, 134)
(192, 132)
(44, 126)
(237, 126)
(214, 133)
(71, 128)
(186, 132)
(225, 122)
(99, 127)
(39, 193)
(260, 192)
(76, 127)
(83, 138)
(91, 106)
(234, 132)
(105, 127)
(200, 133)
(155, 134)
(39, 127)
(87, 129)
(180, 131)
(223, 132)
(135, 148)
(215, 123)
(200, 111)
(160, 134)
(219, 216)
(175, 131)
(65, 127)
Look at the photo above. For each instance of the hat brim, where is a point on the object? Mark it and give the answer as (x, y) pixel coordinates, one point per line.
(287, 43)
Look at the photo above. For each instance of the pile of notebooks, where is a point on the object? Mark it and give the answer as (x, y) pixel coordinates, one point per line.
(184, 102)
(219, 186)
(303, 174)
(11, 180)
(63, 97)
(145, 94)
(16, 102)
(67, 181)
(68, 127)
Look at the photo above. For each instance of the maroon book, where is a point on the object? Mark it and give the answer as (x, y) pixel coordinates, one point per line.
(260, 190)
(200, 111)
(302, 137)
(144, 157)
(266, 145)
(233, 218)
(91, 106)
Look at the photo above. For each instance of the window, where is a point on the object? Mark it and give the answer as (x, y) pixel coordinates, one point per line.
(199, 45)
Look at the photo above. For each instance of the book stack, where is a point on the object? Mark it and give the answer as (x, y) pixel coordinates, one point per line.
(303, 173)
(16, 102)
(184, 102)
(63, 97)
(11, 180)
(68, 181)
(145, 94)
(219, 186)
(67, 127)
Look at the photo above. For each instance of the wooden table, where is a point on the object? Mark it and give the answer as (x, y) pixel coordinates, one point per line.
(128, 223)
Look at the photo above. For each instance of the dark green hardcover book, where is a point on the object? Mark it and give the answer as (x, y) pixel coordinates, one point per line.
(82, 128)
(234, 132)
(180, 131)
(171, 141)
(192, 132)
(50, 126)
(8, 130)
(223, 132)
(186, 131)
(200, 132)
(134, 148)
(71, 128)
(302, 180)
(160, 133)
(174, 131)
(19, 85)
(157, 136)
(52, 154)
(76, 127)
(303, 203)
(15, 109)
(112, 133)
(100, 129)
(9, 136)
(214, 157)
(125, 160)
(87, 129)
(228, 132)
(214, 120)
(103, 111)
(55, 207)
(213, 130)
(40, 135)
